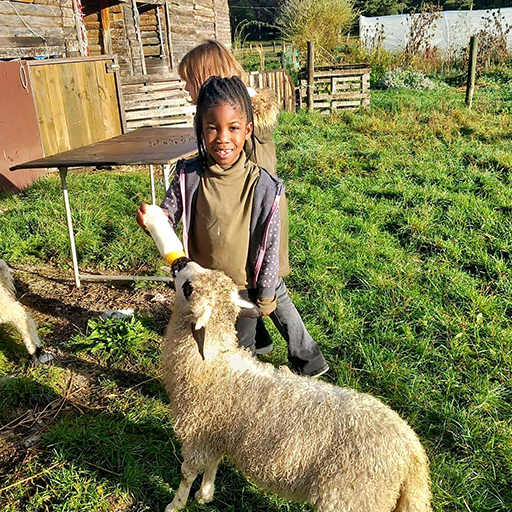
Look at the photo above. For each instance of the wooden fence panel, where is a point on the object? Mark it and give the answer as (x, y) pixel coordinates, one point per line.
(156, 101)
(279, 81)
(346, 87)
(77, 102)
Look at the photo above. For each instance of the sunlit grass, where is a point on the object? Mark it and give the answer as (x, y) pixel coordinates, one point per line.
(401, 257)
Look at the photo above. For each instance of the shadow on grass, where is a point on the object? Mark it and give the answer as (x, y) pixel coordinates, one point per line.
(137, 460)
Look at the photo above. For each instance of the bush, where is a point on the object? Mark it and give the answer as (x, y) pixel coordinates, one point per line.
(405, 79)
(321, 21)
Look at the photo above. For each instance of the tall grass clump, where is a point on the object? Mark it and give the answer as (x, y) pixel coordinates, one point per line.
(321, 21)
(401, 265)
(103, 206)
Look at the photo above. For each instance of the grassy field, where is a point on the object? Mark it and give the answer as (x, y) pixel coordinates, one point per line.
(401, 256)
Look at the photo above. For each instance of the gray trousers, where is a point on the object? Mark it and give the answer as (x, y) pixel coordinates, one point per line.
(304, 355)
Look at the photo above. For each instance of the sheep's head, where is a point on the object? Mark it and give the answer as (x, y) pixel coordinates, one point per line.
(209, 300)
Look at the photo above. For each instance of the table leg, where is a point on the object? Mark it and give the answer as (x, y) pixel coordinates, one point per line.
(167, 171)
(63, 172)
(152, 173)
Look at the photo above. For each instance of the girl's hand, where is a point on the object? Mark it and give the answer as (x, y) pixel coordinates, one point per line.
(267, 306)
(140, 216)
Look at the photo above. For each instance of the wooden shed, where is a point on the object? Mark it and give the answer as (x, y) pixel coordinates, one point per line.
(148, 37)
(77, 59)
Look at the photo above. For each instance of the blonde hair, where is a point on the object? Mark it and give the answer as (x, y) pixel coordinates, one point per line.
(210, 58)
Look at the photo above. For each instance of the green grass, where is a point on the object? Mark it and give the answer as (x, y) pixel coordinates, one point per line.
(401, 256)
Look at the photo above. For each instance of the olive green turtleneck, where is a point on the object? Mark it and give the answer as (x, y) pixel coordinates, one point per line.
(221, 225)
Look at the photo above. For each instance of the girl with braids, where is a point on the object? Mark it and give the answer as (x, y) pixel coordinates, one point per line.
(230, 211)
(212, 58)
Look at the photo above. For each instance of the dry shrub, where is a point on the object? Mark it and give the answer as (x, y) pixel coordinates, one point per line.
(492, 40)
(321, 21)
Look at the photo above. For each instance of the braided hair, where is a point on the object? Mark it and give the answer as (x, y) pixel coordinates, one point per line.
(218, 91)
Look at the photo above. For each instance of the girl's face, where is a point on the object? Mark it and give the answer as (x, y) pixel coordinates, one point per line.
(225, 130)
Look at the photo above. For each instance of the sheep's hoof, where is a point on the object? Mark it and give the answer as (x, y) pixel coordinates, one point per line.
(203, 496)
(173, 507)
(40, 357)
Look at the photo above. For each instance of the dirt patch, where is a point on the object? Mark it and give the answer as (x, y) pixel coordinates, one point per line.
(61, 310)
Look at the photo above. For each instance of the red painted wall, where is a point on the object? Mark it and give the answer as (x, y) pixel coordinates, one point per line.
(19, 130)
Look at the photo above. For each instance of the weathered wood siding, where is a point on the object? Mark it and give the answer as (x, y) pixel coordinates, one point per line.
(192, 21)
(149, 37)
(77, 102)
(156, 101)
(37, 28)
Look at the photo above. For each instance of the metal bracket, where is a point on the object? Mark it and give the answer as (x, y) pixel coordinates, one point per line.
(111, 67)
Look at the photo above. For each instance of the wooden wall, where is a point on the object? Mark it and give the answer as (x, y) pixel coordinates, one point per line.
(195, 20)
(77, 101)
(37, 28)
(53, 30)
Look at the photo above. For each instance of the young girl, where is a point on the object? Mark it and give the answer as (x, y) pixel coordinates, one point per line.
(228, 205)
(231, 217)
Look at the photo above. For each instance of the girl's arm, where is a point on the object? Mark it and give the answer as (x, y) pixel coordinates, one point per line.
(173, 204)
(268, 275)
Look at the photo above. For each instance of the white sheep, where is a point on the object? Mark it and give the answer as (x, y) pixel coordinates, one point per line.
(12, 312)
(306, 440)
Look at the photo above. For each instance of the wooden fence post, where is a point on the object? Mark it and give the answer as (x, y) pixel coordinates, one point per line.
(470, 87)
(294, 57)
(311, 74)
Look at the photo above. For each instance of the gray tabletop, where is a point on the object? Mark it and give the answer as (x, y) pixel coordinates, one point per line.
(138, 147)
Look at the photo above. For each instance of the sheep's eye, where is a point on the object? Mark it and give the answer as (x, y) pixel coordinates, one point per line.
(179, 265)
(187, 289)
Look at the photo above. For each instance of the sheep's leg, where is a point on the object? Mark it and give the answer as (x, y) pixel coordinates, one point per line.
(24, 323)
(205, 493)
(188, 475)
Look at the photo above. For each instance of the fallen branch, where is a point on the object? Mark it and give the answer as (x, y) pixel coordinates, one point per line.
(24, 480)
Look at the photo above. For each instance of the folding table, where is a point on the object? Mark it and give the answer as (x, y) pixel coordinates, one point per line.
(145, 146)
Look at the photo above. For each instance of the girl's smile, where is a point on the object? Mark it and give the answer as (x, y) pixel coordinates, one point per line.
(225, 130)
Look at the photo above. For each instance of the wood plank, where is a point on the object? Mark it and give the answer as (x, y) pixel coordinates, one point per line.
(169, 121)
(340, 97)
(151, 51)
(27, 52)
(43, 2)
(165, 99)
(41, 92)
(25, 9)
(107, 98)
(161, 104)
(22, 31)
(158, 113)
(72, 90)
(36, 23)
(58, 107)
(157, 94)
(18, 42)
(91, 103)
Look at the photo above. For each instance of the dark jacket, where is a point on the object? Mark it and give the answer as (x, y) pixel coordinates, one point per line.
(180, 201)
(266, 111)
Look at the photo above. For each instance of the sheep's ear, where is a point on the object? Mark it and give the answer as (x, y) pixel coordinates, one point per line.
(247, 309)
(198, 334)
(204, 316)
